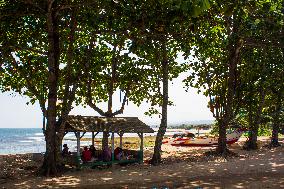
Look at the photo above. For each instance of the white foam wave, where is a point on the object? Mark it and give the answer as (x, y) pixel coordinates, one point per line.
(39, 134)
(36, 138)
(26, 141)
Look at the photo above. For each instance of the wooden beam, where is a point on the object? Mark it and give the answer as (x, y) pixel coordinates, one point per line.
(93, 137)
(141, 146)
(78, 144)
(120, 139)
(112, 146)
(82, 134)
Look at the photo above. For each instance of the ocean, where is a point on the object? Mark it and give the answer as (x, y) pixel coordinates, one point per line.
(31, 140)
(27, 140)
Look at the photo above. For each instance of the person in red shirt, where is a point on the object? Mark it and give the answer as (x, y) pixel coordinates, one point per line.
(86, 155)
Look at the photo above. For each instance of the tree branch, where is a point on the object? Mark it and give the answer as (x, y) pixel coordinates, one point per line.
(89, 86)
(28, 49)
(120, 111)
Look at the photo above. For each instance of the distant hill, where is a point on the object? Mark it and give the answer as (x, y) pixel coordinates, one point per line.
(198, 122)
(194, 123)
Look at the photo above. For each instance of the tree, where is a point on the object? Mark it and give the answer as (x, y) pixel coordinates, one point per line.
(38, 60)
(218, 46)
(221, 35)
(253, 87)
(159, 41)
(261, 41)
(274, 100)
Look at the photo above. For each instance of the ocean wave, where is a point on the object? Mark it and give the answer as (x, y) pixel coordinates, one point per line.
(26, 141)
(36, 138)
(39, 134)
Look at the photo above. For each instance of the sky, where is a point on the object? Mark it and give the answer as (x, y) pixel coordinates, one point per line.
(189, 107)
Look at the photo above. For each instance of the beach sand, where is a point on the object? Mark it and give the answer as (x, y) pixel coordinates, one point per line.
(183, 167)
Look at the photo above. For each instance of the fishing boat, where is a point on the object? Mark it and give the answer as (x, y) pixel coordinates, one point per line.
(189, 139)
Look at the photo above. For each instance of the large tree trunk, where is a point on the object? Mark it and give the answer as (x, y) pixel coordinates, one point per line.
(156, 159)
(232, 64)
(105, 139)
(222, 140)
(49, 166)
(251, 144)
(109, 113)
(274, 140)
(275, 132)
(276, 124)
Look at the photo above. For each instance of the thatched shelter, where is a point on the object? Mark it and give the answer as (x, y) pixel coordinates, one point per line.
(109, 124)
(120, 125)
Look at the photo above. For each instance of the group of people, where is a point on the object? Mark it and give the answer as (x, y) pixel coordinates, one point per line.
(90, 155)
(106, 154)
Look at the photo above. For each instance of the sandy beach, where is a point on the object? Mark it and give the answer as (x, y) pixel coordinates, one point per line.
(183, 167)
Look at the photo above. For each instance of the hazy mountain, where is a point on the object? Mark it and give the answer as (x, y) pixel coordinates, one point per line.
(196, 122)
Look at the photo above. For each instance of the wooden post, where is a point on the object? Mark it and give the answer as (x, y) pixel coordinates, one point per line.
(141, 147)
(120, 139)
(93, 137)
(112, 146)
(78, 143)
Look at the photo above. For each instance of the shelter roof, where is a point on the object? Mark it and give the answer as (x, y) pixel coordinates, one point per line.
(110, 124)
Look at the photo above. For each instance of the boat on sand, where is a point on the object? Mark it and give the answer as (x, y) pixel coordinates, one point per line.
(189, 139)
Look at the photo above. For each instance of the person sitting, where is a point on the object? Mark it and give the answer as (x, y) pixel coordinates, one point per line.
(65, 151)
(86, 155)
(106, 156)
(118, 153)
(93, 151)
